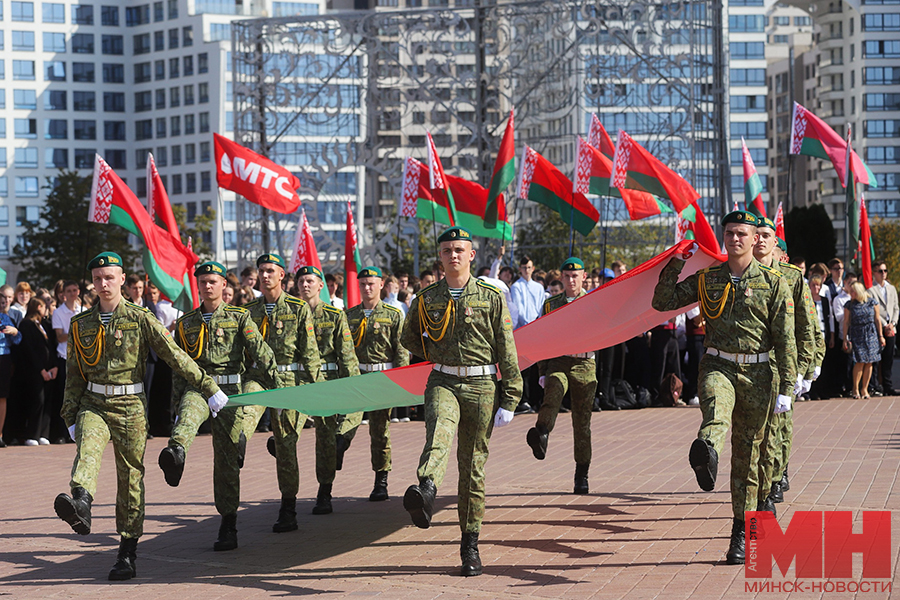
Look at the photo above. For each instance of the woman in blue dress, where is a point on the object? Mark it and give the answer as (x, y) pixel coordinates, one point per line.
(863, 336)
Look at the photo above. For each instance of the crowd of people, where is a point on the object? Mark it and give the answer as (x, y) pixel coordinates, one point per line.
(659, 367)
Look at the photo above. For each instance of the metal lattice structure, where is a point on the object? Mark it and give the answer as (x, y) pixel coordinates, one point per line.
(342, 99)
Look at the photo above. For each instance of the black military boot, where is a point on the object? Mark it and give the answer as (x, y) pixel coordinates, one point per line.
(287, 516)
(785, 483)
(76, 511)
(581, 479)
(735, 554)
(124, 568)
(705, 462)
(171, 461)
(767, 506)
(340, 446)
(242, 449)
(419, 502)
(468, 552)
(379, 492)
(270, 446)
(537, 438)
(227, 534)
(323, 501)
(777, 493)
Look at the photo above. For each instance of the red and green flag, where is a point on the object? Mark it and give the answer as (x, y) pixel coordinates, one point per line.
(636, 169)
(470, 199)
(352, 263)
(540, 181)
(599, 138)
(866, 248)
(811, 136)
(305, 253)
(852, 190)
(592, 172)
(779, 222)
(440, 189)
(169, 265)
(752, 184)
(503, 175)
(692, 221)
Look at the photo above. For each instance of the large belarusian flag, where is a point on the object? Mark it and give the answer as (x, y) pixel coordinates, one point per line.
(440, 189)
(592, 172)
(352, 263)
(752, 184)
(470, 198)
(811, 136)
(635, 168)
(503, 175)
(168, 265)
(540, 181)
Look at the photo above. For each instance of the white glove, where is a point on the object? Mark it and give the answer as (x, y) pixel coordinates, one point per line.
(217, 402)
(782, 404)
(689, 251)
(816, 373)
(542, 380)
(807, 385)
(72, 432)
(798, 387)
(503, 417)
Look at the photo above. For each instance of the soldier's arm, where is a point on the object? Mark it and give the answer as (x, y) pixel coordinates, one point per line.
(781, 322)
(805, 318)
(400, 354)
(161, 341)
(306, 345)
(507, 356)
(259, 352)
(75, 385)
(411, 337)
(669, 293)
(343, 348)
(179, 385)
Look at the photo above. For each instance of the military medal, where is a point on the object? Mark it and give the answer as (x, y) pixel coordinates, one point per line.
(118, 337)
(469, 313)
(278, 326)
(376, 326)
(748, 292)
(220, 332)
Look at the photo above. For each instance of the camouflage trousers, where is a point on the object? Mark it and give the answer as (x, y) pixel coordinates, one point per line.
(578, 376)
(379, 435)
(226, 430)
(120, 419)
(467, 404)
(326, 452)
(776, 451)
(737, 396)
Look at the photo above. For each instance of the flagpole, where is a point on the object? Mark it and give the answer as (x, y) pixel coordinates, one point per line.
(222, 226)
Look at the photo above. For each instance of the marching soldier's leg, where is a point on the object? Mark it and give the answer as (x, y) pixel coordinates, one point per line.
(768, 454)
(326, 432)
(751, 412)
(380, 444)
(192, 412)
(349, 425)
(716, 392)
(477, 404)
(227, 429)
(252, 414)
(555, 386)
(91, 437)
(583, 387)
(286, 429)
(783, 452)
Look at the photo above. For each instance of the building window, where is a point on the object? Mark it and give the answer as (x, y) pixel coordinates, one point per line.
(56, 129)
(881, 22)
(159, 41)
(25, 99)
(112, 44)
(204, 122)
(113, 73)
(175, 126)
(161, 127)
(176, 190)
(204, 152)
(53, 42)
(203, 93)
(174, 97)
(220, 32)
(26, 214)
(881, 102)
(883, 155)
(113, 101)
(160, 67)
(802, 21)
(189, 125)
(23, 41)
(176, 155)
(187, 36)
(143, 130)
(747, 104)
(53, 13)
(203, 63)
(54, 70)
(162, 156)
(190, 154)
(746, 23)
(173, 9)
(158, 14)
(137, 15)
(115, 158)
(84, 158)
(173, 39)
(140, 157)
(27, 187)
(188, 95)
(142, 43)
(85, 130)
(83, 72)
(56, 158)
(160, 99)
(205, 181)
(143, 101)
(173, 68)
(26, 158)
(23, 11)
(109, 15)
(747, 50)
(25, 129)
(83, 14)
(114, 131)
(190, 181)
(188, 66)
(750, 131)
(142, 72)
(55, 100)
(84, 101)
(83, 43)
(23, 70)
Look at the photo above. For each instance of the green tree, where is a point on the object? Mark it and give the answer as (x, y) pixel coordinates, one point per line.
(199, 233)
(60, 243)
(886, 240)
(810, 234)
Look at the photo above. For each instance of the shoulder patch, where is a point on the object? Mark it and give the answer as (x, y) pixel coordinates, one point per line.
(293, 300)
(791, 266)
(425, 289)
(135, 306)
(253, 302)
(393, 308)
(237, 309)
(770, 270)
(487, 286)
(82, 315)
(330, 308)
(187, 315)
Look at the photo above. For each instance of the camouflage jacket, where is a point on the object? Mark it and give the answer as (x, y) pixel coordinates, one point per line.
(806, 321)
(335, 343)
(116, 354)
(227, 345)
(757, 315)
(479, 332)
(550, 304)
(377, 337)
(289, 333)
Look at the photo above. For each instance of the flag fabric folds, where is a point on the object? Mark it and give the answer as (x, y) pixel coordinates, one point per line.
(753, 188)
(599, 138)
(851, 189)
(779, 222)
(352, 263)
(540, 181)
(503, 175)
(811, 136)
(440, 188)
(866, 248)
(255, 177)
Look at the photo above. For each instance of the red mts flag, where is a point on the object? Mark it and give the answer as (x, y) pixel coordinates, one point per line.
(779, 222)
(351, 263)
(865, 242)
(255, 177)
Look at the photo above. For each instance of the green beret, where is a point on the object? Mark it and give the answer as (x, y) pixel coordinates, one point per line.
(210, 268)
(310, 270)
(273, 259)
(782, 245)
(106, 259)
(370, 272)
(766, 222)
(455, 233)
(741, 217)
(572, 264)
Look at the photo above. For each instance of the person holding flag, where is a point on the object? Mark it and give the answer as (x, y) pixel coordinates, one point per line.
(375, 327)
(749, 314)
(286, 325)
(106, 358)
(338, 361)
(225, 341)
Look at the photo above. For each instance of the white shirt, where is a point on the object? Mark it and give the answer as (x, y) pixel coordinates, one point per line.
(167, 313)
(528, 296)
(338, 303)
(62, 318)
(837, 312)
(499, 283)
(391, 300)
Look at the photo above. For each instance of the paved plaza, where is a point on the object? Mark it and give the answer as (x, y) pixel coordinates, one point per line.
(646, 531)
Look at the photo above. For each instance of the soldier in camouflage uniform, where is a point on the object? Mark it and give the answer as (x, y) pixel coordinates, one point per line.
(462, 325)
(338, 361)
(286, 325)
(574, 372)
(224, 340)
(749, 313)
(810, 345)
(107, 355)
(375, 327)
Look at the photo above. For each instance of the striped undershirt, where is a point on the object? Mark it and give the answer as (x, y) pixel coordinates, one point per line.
(270, 308)
(368, 312)
(105, 317)
(455, 293)
(206, 317)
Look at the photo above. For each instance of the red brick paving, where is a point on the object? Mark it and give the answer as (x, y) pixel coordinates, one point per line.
(646, 531)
